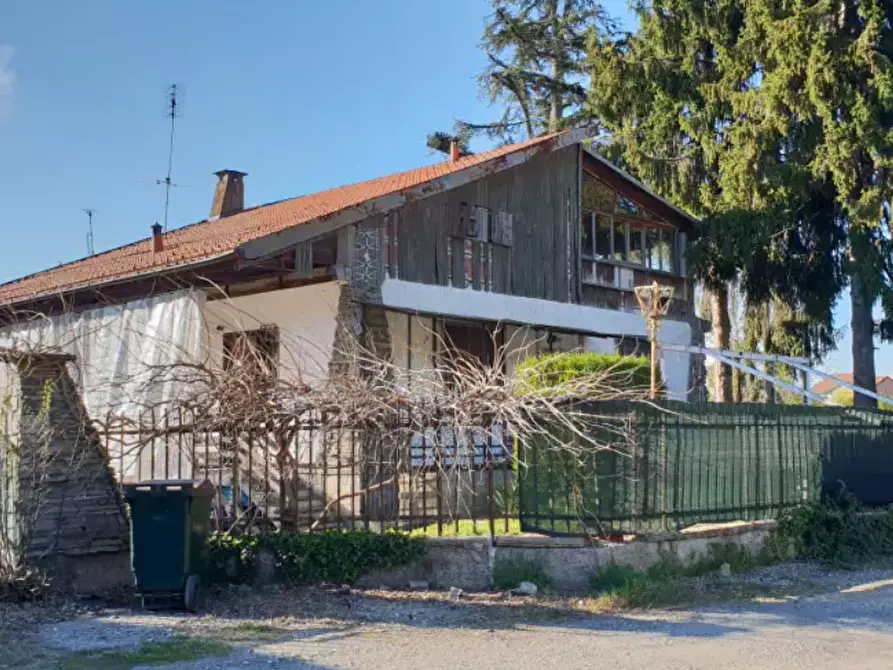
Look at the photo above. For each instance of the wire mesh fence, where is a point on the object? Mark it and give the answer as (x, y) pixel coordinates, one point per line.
(672, 465)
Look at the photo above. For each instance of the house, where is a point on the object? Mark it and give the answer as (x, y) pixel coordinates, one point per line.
(884, 384)
(537, 244)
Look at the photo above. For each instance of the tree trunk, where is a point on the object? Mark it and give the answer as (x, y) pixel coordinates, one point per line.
(719, 312)
(766, 344)
(555, 107)
(862, 325)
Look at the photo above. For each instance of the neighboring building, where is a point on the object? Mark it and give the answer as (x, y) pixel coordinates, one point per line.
(543, 240)
(826, 387)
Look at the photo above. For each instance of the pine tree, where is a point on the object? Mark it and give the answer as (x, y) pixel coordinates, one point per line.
(689, 108)
(536, 53)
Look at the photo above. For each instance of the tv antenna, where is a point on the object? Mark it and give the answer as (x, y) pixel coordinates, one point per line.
(90, 212)
(172, 112)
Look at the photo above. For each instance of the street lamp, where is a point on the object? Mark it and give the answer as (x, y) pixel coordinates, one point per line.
(654, 301)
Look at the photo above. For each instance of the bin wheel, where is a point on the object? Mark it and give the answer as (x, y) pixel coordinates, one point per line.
(192, 593)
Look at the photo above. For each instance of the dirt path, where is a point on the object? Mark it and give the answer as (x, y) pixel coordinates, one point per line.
(848, 624)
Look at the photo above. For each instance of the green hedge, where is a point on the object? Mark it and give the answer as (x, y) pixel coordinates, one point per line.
(549, 370)
(311, 558)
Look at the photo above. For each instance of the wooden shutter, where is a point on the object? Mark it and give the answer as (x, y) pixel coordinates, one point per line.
(502, 229)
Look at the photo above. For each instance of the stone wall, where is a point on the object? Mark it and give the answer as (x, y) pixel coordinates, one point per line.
(469, 563)
(68, 503)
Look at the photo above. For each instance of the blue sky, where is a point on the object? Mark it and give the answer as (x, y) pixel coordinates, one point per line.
(301, 95)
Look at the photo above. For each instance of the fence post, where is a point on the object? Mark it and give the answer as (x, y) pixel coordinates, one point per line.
(665, 447)
(236, 484)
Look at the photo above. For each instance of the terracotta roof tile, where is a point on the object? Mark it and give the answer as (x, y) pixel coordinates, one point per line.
(207, 240)
(883, 383)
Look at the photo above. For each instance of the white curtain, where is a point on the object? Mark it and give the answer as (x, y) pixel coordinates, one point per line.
(124, 355)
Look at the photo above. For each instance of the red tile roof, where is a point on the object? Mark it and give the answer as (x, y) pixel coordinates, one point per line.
(207, 240)
(884, 384)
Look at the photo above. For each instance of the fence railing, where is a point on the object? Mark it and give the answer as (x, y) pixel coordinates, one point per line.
(672, 465)
(304, 472)
(660, 466)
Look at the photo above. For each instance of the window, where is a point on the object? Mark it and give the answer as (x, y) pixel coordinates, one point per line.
(652, 248)
(668, 250)
(470, 342)
(627, 206)
(252, 355)
(603, 237)
(636, 244)
(619, 249)
(587, 239)
(638, 238)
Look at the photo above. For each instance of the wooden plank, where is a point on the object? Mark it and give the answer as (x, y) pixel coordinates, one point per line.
(502, 232)
(477, 264)
(457, 244)
(304, 259)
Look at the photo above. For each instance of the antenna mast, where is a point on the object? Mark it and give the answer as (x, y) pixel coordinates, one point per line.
(172, 112)
(89, 212)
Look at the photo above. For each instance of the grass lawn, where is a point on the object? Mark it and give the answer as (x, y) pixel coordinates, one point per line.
(467, 528)
(180, 648)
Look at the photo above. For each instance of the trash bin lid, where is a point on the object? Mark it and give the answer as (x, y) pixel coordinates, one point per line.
(162, 486)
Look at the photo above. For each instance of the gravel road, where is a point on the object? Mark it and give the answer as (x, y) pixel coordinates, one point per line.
(849, 625)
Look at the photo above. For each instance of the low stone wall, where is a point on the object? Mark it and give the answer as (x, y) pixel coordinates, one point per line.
(466, 562)
(469, 563)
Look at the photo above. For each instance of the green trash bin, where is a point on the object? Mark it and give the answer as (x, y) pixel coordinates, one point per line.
(169, 524)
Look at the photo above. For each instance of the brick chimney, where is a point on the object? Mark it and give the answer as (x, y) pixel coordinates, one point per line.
(454, 151)
(157, 238)
(229, 196)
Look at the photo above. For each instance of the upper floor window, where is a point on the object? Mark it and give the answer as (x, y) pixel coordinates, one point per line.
(618, 231)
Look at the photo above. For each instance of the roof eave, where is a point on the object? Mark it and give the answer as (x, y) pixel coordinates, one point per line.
(114, 281)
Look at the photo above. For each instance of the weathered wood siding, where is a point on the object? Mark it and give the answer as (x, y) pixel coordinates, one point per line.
(543, 200)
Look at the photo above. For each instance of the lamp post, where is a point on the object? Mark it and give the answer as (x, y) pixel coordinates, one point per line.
(654, 301)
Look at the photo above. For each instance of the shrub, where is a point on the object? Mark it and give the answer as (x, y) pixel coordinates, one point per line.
(510, 573)
(311, 558)
(837, 531)
(663, 583)
(548, 370)
(844, 397)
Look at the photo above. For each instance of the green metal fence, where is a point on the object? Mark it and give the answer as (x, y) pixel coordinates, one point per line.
(671, 465)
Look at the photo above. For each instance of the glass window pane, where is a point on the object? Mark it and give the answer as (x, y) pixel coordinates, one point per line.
(619, 241)
(668, 251)
(636, 252)
(587, 243)
(603, 237)
(627, 206)
(605, 197)
(652, 248)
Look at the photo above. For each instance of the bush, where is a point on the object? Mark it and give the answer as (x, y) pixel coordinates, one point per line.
(663, 583)
(311, 558)
(510, 573)
(837, 531)
(844, 397)
(548, 370)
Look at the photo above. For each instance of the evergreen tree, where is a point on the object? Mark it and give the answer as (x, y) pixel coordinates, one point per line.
(536, 53)
(830, 63)
(691, 109)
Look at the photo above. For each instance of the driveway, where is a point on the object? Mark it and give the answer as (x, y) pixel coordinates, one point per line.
(851, 625)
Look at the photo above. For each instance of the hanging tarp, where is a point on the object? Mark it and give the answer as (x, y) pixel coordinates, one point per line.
(128, 357)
